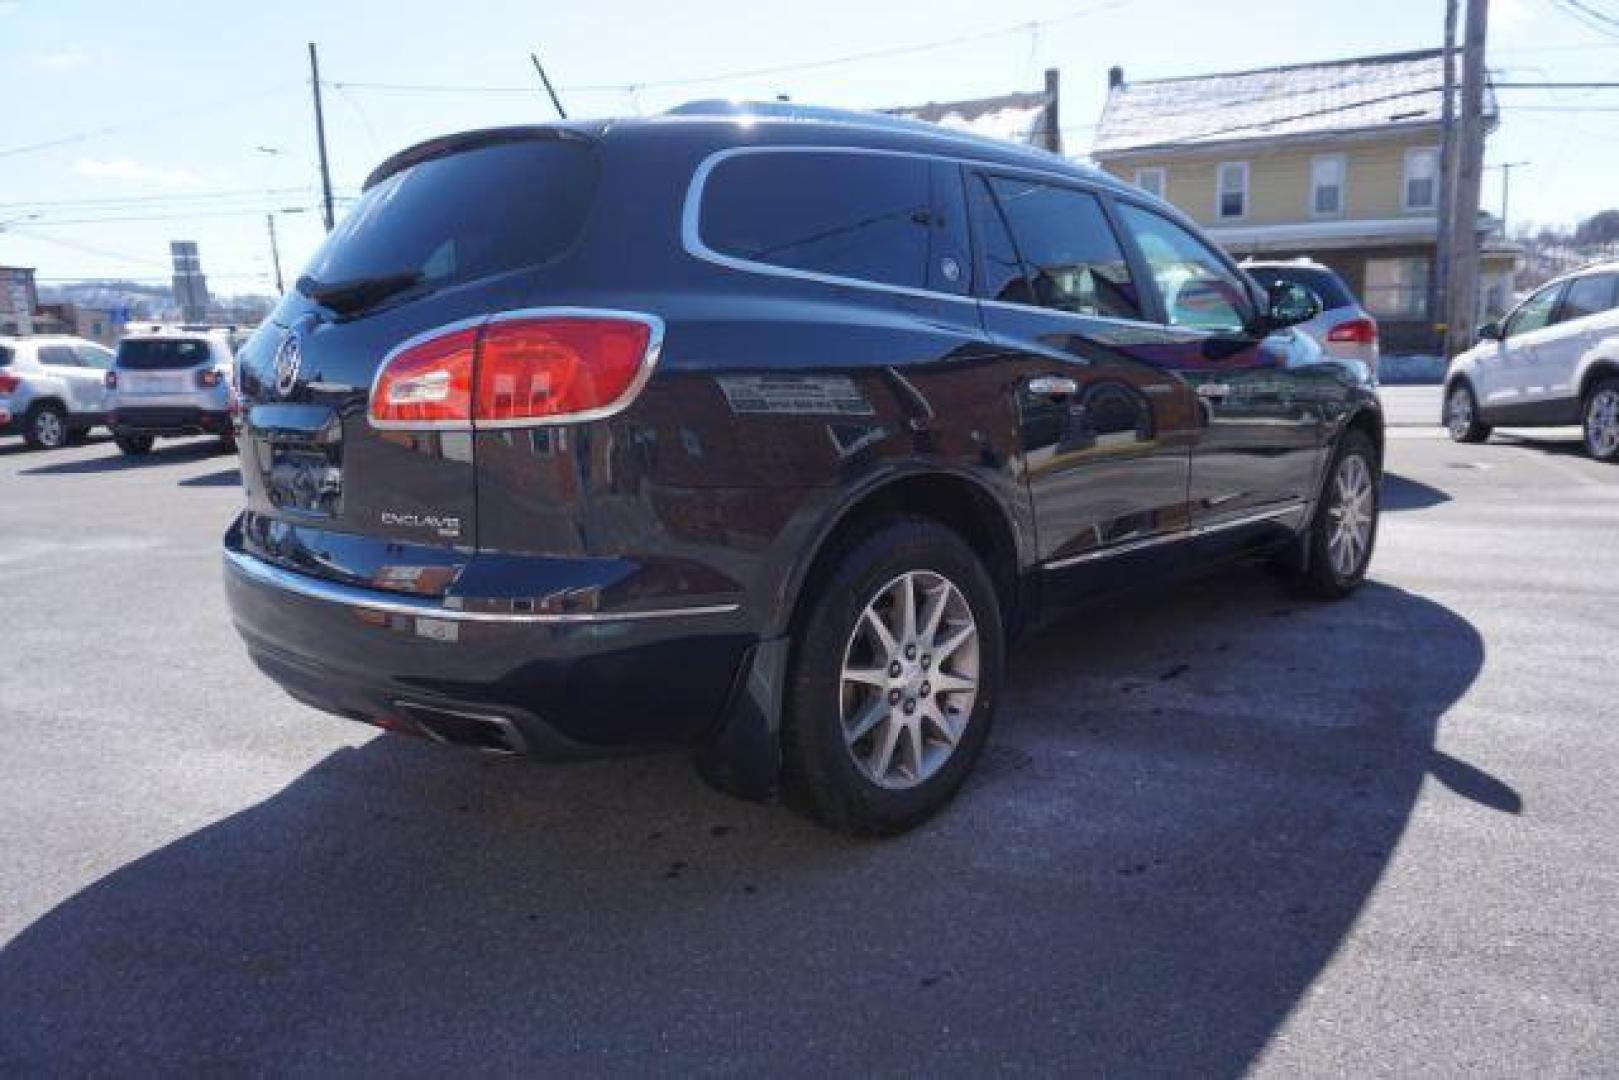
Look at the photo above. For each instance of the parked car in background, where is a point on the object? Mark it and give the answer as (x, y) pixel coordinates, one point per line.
(52, 388)
(172, 381)
(1344, 328)
(1553, 361)
(761, 430)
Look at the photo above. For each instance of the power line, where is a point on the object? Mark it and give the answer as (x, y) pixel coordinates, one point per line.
(139, 200)
(144, 123)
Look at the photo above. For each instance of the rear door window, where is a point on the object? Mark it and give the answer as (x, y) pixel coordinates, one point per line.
(159, 354)
(464, 216)
(1070, 258)
(1587, 296)
(846, 215)
(1198, 290)
(58, 356)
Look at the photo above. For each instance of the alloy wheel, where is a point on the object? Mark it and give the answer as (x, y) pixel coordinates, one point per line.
(1459, 413)
(49, 429)
(1602, 423)
(1350, 516)
(909, 679)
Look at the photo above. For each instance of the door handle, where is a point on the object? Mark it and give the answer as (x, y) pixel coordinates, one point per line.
(1053, 386)
(1214, 391)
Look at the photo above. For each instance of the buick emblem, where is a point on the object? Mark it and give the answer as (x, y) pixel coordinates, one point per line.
(288, 358)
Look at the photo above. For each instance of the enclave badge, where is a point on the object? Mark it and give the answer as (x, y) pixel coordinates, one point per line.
(288, 358)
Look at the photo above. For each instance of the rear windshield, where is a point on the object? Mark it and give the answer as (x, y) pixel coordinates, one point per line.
(1324, 283)
(158, 354)
(465, 216)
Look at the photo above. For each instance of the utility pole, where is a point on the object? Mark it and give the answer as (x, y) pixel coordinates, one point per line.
(549, 89)
(320, 139)
(275, 254)
(1506, 168)
(1462, 281)
(1438, 293)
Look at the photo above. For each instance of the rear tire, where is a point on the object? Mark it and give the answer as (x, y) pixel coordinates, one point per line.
(1461, 415)
(134, 445)
(1337, 547)
(889, 702)
(45, 427)
(1600, 418)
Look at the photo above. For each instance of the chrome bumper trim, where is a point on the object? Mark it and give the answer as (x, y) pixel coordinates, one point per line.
(262, 573)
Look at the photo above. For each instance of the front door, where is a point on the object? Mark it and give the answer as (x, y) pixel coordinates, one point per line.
(1508, 371)
(1263, 400)
(1106, 429)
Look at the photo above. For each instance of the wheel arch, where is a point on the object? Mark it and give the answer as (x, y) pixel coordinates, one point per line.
(1601, 368)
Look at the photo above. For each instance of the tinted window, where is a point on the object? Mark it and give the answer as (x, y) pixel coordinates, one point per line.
(58, 356)
(5, 355)
(1197, 289)
(465, 216)
(1535, 313)
(1588, 296)
(862, 216)
(1002, 272)
(1324, 284)
(156, 354)
(1073, 260)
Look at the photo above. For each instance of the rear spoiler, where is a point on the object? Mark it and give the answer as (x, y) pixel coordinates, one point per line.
(445, 145)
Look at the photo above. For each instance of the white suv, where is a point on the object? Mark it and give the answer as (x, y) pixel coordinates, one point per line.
(1553, 361)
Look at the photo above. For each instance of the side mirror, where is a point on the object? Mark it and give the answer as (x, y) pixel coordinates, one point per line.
(1490, 331)
(1290, 304)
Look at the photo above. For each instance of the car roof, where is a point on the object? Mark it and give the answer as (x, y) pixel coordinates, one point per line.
(723, 124)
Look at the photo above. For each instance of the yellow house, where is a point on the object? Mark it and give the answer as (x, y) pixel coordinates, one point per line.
(1334, 161)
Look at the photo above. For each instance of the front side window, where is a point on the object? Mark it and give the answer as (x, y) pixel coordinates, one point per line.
(1072, 260)
(1536, 312)
(1152, 181)
(862, 216)
(1327, 185)
(1422, 179)
(93, 356)
(1198, 290)
(1397, 288)
(1233, 189)
(1588, 296)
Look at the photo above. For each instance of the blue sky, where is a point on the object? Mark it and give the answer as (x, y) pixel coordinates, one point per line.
(194, 118)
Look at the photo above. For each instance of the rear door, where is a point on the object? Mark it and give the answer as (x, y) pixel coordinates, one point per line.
(1106, 427)
(436, 245)
(1585, 316)
(81, 383)
(160, 371)
(1263, 399)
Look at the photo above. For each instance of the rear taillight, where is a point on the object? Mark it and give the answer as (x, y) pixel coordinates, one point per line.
(209, 379)
(110, 380)
(9, 383)
(1354, 332)
(523, 368)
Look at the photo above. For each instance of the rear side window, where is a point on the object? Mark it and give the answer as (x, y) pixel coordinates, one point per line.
(158, 354)
(862, 216)
(1071, 257)
(1327, 286)
(1589, 296)
(465, 216)
(58, 356)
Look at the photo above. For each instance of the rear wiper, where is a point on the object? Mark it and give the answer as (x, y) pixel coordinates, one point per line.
(348, 297)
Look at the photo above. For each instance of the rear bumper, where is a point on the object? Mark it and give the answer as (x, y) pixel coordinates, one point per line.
(169, 420)
(557, 685)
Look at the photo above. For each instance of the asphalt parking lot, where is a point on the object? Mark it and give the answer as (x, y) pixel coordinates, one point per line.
(1217, 830)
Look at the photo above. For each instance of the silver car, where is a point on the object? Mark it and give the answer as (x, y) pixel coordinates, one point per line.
(170, 382)
(1344, 329)
(52, 388)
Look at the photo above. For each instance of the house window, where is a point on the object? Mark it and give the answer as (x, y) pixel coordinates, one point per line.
(1422, 178)
(1327, 185)
(1397, 288)
(1233, 190)
(1152, 180)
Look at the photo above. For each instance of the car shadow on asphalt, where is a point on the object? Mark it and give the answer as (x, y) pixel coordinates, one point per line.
(1403, 493)
(118, 461)
(1185, 806)
(1572, 446)
(231, 477)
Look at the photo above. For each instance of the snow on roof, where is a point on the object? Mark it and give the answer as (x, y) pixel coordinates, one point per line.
(1020, 118)
(1371, 92)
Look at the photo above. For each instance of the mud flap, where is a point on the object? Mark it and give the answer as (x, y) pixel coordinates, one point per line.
(744, 756)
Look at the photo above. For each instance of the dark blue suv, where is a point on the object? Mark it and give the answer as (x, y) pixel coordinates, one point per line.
(760, 431)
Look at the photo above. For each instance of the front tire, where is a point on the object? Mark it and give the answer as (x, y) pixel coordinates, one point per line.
(1601, 421)
(134, 445)
(1461, 415)
(1338, 545)
(894, 680)
(46, 427)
